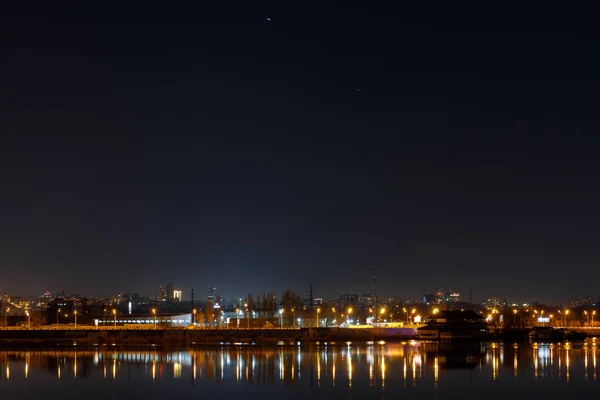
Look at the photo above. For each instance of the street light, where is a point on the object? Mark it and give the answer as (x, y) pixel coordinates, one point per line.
(593, 313)
(57, 311)
(566, 318)
(115, 318)
(75, 313)
(154, 312)
(280, 318)
(381, 312)
(194, 321)
(5, 315)
(247, 316)
(318, 311)
(515, 316)
(28, 320)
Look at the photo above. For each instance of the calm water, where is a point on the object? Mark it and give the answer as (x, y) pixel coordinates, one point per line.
(410, 370)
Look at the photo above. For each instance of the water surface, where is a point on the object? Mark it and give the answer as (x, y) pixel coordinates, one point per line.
(407, 370)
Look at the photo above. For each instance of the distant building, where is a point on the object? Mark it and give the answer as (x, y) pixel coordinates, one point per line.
(170, 291)
(212, 293)
(346, 300)
(453, 297)
(493, 302)
(441, 297)
(44, 300)
(429, 298)
(367, 300)
(588, 302)
(177, 295)
(574, 303)
(160, 294)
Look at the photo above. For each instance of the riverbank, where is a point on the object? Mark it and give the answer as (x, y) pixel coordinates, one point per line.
(178, 337)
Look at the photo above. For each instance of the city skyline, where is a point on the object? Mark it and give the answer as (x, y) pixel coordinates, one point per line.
(183, 295)
(261, 146)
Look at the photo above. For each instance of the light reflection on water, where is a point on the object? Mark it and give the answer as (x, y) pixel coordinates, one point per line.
(370, 366)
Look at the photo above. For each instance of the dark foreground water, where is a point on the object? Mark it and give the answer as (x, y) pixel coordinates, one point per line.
(408, 370)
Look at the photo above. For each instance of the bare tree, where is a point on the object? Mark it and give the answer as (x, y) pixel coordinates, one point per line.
(209, 311)
(218, 311)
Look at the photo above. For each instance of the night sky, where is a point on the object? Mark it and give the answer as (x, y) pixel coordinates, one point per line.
(260, 146)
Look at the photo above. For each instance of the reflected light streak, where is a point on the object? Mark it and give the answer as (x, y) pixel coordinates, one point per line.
(318, 369)
(436, 370)
(594, 361)
(515, 364)
(494, 363)
(333, 368)
(568, 365)
(153, 370)
(114, 369)
(26, 369)
(349, 364)
(222, 363)
(382, 370)
(281, 367)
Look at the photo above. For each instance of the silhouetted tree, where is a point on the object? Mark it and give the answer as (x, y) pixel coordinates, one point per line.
(218, 311)
(209, 311)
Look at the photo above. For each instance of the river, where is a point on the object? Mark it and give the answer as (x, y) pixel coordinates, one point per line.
(406, 370)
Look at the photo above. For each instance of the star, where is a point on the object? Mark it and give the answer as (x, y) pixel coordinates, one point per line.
(268, 19)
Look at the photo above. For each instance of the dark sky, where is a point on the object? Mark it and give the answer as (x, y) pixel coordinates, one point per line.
(200, 143)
